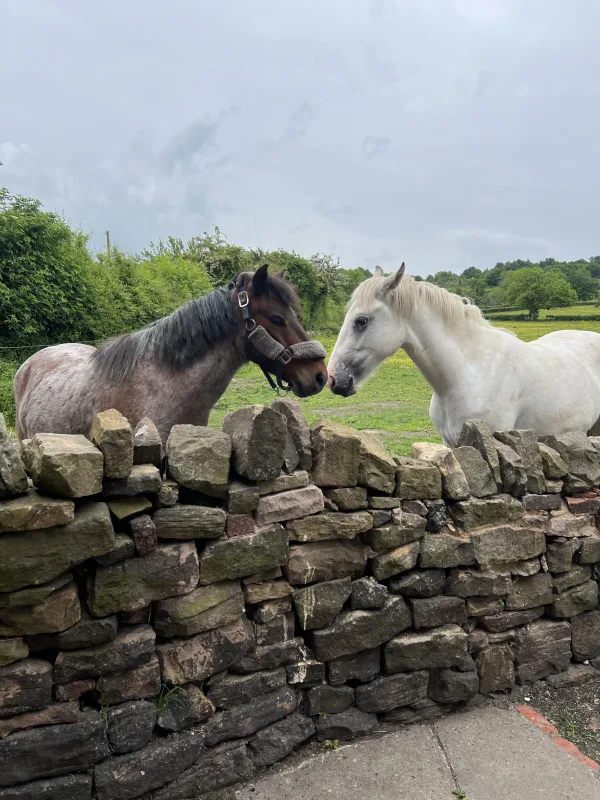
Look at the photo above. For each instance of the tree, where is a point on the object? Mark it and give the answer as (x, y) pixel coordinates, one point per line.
(534, 288)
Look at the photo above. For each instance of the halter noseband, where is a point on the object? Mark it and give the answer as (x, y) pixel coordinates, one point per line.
(271, 349)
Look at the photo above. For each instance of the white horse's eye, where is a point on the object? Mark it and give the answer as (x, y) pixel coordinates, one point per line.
(361, 322)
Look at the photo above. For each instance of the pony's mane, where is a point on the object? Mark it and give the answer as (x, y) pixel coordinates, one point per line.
(187, 334)
(412, 296)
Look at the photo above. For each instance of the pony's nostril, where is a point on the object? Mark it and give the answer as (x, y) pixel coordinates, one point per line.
(320, 380)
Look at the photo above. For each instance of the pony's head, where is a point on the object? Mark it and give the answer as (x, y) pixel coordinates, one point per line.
(371, 333)
(272, 303)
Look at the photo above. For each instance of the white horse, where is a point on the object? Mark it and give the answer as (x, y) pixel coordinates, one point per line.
(476, 371)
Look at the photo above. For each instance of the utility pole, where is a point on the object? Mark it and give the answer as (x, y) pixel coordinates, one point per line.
(108, 243)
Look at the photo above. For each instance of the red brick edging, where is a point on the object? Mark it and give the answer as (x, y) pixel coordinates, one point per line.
(547, 727)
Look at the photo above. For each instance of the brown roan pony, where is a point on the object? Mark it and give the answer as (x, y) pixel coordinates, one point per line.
(174, 370)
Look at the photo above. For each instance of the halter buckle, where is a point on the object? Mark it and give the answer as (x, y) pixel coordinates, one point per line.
(285, 357)
(243, 300)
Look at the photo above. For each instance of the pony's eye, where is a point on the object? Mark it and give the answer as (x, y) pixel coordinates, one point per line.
(361, 322)
(276, 320)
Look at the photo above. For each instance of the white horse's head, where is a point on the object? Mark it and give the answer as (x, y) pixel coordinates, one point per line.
(371, 333)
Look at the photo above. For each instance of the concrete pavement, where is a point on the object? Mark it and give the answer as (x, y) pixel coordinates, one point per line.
(484, 754)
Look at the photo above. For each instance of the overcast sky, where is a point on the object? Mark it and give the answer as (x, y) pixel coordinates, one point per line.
(446, 133)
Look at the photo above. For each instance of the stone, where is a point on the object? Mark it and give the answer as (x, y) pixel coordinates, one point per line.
(130, 726)
(354, 631)
(476, 470)
(336, 454)
(284, 483)
(43, 555)
(56, 613)
(430, 612)
(65, 465)
(349, 498)
(367, 593)
(271, 656)
(419, 583)
(112, 435)
(421, 711)
(168, 494)
(174, 610)
(289, 505)
(451, 686)
(530, 592)
(474, 583)
(574, 601)
(581, 457)
(443, 550)
(124, 548)
(171, 620)
(497, 623)
(13, 478)
(147, 444)
(34, 595)
(305, 673)
(155, 765)
(141, 616)
(585, 635)
(410, 528)
(12, 650)
(496, 669)
(242, 498)
(53, 750)
(143, 479)
(590, 550)
(541, 502)
(143, 533)
(583, 505)
(198, 457)
(575, 577)
(130, 648)
(124, 508)
(477, 513)
(512, 470)
(395, 561)
(258, 436)
(171, 569)
(542, 648)
(69, 692)
(67, 787)
(553, 465)
(233, 558)
(529, 566)
(25, 685)
(345, 726)
(478, 641)
(505, 544)
(325, 561)
(318, 605)
(291, 459)
(436, 516)
(484, 606)
(246, 719)
(328, 699)
(268, 590)
(58, 714)
(394, 691)
(417, 480)
(363, 666)
(564, 525)
(434, 649)
(329, 525)
(575, 675)
(185, 707)
(379, 503)
(279, 629)
(134, 684)
(203, 655)
(279, 739)
(189, 522)
(216, 768)
(298, 429)
(235, 690)
(524, 443)
(380, 517)
(376, 469)
(239, 525)
(559, 555)
(454, 481)
(32, 511)
(415, 507)
(478, 434)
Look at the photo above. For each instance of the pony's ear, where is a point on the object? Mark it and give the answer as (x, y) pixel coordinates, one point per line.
(259, 280)
(390, 283)
(378, 272)
(282, 273)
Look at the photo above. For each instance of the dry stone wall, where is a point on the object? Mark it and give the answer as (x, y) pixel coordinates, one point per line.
(172, 621)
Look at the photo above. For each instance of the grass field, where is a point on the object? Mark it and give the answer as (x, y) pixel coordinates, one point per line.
(394, 403)
(573, 311)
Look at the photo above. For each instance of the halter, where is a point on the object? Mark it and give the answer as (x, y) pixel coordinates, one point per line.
(272, 350)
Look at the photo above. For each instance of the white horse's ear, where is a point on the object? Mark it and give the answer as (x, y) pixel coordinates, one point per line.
(390, 283)
(378, 272)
